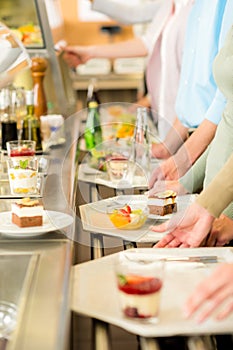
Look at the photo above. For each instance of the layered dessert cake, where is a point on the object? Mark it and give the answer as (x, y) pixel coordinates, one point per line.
(162, 203)
(22, 176)
(27, 213)
(139, 295)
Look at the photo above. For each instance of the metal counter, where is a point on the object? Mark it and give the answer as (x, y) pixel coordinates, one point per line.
(37, 270)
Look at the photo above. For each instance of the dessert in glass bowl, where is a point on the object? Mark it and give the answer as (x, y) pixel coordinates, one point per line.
(128, 217)
(23, 148)
(139, 286)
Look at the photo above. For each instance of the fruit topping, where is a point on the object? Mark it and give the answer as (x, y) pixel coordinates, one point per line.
(133, 284)
(133, 218)
(165, 194)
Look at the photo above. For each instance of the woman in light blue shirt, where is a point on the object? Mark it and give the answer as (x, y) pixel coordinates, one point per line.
(198, 103)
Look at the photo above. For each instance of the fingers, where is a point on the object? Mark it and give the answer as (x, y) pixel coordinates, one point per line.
(217, 300)
(164, 241)
(184, 245)
(153, 178)
(160, 228)
(211, 293)
(159, 186)
(228, 309)
(211, 240)
(175, 243)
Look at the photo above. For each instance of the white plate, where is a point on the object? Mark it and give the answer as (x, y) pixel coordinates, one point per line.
(182, 203)
(52, 220)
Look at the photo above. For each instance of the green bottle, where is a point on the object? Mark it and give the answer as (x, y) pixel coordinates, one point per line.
(93, 131)
(31, 124)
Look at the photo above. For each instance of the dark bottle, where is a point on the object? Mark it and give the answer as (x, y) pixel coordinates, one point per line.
(8, 116)
(31, 124)
(93, 131)
(92, 92)
(9, 132)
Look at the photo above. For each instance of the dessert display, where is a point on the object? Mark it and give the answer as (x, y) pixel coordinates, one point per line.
(30, 34)
(27, 213)
(117, 167)
(162, 203)
(126, 218)
(125, 130)
(139, 295)
(22, 175)
(24, 148)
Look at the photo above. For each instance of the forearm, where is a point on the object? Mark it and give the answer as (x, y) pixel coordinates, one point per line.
(176, 136)
(130, 48)
(193, 179)
(195, 145)
(219, 193)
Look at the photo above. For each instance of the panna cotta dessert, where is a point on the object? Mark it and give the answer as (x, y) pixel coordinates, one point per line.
(139, 295)
(27, 213)
(117, 168)
(162, 203)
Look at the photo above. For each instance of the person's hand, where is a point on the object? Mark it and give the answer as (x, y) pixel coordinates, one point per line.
(142, 102)
(221, 232)
(211, 294)
(75, 55)
(167, 170)
(186, 229)
(159, 150)
(173, 185)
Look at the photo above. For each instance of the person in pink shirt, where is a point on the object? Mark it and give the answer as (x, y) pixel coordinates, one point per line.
(163, 46)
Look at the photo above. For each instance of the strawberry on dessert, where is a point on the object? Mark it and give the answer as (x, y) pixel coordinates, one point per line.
(127, 218)
(139, 295)
(23, 152)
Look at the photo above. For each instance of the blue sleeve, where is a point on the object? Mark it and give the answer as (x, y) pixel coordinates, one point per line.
(227, 22)
(215, 110)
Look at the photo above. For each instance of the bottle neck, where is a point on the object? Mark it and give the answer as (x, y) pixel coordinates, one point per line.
(30, 110)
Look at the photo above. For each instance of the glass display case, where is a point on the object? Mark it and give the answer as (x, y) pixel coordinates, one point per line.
(39, 25)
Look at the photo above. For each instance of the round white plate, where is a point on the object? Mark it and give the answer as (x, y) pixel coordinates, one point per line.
(52, 220)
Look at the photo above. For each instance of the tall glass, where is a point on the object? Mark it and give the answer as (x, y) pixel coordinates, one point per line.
(139, 283)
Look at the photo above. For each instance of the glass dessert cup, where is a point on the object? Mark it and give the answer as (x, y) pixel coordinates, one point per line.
(23, 175)
(128, 217)
(22, 148)
(139, 285)
(117, 168)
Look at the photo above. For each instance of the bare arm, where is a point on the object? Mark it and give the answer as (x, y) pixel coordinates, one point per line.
(177, 165)
(75, 55)
(195, 145)
(174, 139)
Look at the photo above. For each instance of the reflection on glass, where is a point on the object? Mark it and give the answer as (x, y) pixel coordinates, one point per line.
(24, 23)
(13, 57)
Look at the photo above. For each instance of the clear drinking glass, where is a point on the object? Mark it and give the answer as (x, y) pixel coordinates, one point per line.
(139, 282)
(141, 143)
(21, 148)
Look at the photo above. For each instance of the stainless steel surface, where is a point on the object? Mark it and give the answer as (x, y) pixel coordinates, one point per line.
(208, 259)
(43, 286)
(43, 309)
